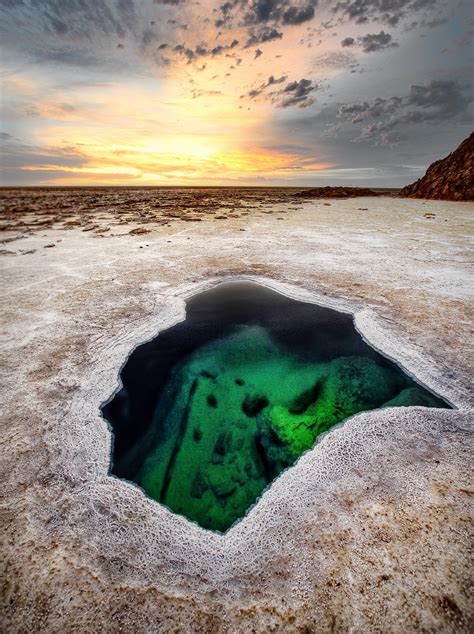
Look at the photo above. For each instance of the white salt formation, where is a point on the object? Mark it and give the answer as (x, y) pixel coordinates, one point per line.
(367, 532)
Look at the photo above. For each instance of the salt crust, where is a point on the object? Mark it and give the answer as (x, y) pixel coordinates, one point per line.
(179, 549)
(302, 556)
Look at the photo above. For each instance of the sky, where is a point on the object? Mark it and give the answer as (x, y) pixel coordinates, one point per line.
(232, 92)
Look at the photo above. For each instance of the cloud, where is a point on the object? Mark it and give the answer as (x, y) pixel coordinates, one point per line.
(201, 50)
(67, 56)
(277, 11)
(334, 60)
(114, 46)
(441, 99)
(375, 131)
(298, 15)
(383, 11)
(375, 42)
(372, 42)
(264, 34)
(295, 93)
(78, 19)
(195, 94)
(80, 33)
(17, 154)
(348, 41)
(435, 102)
(266, 12)
(270, 82)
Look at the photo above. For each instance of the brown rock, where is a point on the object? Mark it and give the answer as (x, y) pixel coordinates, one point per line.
(139, 231)
(336, 192)
(451, 178)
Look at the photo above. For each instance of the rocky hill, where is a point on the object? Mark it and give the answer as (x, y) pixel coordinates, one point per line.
(451, 178)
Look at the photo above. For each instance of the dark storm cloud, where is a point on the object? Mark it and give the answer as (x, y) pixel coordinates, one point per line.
(384, 11)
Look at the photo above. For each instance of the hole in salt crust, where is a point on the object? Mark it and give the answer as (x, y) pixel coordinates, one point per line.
(213, 409)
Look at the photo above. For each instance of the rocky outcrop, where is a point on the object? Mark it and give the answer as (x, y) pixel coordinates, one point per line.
(336, 192)
(451, 178)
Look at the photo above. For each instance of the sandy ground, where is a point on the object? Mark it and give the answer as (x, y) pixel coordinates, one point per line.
(368, 532)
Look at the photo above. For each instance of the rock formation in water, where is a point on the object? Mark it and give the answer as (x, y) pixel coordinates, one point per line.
(336, 192)
(451, 178)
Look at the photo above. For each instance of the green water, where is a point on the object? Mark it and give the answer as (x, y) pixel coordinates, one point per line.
(240, 409)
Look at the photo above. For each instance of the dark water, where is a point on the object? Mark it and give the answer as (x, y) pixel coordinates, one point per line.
(214, 408)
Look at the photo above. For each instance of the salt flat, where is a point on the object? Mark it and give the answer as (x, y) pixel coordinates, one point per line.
(369, 531)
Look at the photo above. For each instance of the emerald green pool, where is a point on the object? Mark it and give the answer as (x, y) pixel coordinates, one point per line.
(236, 393)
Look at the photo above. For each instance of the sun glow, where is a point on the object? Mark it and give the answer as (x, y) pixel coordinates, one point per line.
(188, 162)
(148, 152)
(193, 128)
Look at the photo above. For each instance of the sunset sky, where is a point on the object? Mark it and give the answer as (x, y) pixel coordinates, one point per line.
(258, 92)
